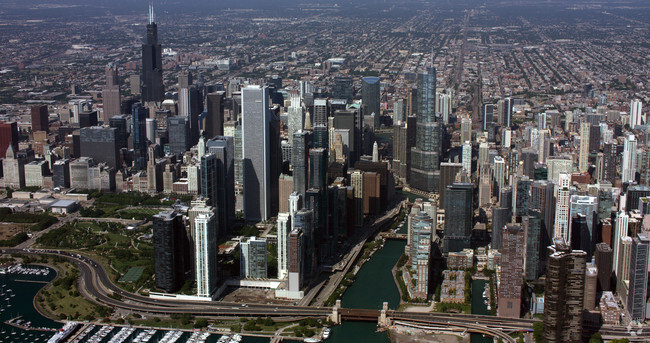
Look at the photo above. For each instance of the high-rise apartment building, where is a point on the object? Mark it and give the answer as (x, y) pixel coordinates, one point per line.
(205, 254)
(512, 267)
(562, 215)
(628, 167)
(253, 258)
(171, 250)
(564, 293)
(583, 160)
(284, 230)
(636, 113)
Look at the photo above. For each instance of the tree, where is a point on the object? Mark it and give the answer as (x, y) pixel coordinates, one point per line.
(538, 330)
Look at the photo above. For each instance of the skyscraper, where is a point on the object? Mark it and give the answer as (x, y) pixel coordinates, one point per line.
(533, 227)
(152, 77)
(222, 147)
(458, 205)
(284, 229)
(620, 231)
(205, 252)
(139, 115)
(179, 134)
(636, 113)
(636, 299)
(561, 226)
(296, 116)
(40, 118)
(342, 88)
(100, 143)
(583, 161)
(512, 264)
(253, 258)
(425, 156)
(370, 92)
(8, 137)
(111, 93)
(564, 296)
(604, 260)
(214, 120)
(171, 250)
(609, 162)
(256, 153)
(488, 116)
(299, 155)
(628, 168)
(184, 84)
(467, 157)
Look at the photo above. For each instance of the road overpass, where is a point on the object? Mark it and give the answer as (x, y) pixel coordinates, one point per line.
(95, 285)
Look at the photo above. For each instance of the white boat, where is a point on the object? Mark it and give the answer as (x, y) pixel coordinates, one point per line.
(311, 340)
(326, 333)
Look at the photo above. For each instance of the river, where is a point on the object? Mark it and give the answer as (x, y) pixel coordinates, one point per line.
(374, 285)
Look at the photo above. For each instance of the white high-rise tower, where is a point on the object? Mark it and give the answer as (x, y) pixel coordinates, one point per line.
(628, 169)
(561, 227)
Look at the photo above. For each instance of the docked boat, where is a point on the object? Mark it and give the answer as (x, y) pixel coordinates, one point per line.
(326, 333)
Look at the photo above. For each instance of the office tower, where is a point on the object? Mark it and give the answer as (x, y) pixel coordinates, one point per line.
(119, 122)
(299, 153)
(448, 172)
(580, 235)
(320, 113)
(139, 115)
(222, 147)
(586, 205)
(8, 137)
(284, 230)
(624, 264)
(100, 144)
(564, 296)
(425, 157)
(351, 121)
(620, 231)
(644, 167)
(609, 162)
(604, 262)
(317, 168)
(403, 141)
(636, 113)
(111, 93)
(61, 173)
(529, 157)
(285, 186)
(485, 185)
(209, 178)
(303, 220)
(256, 153)
(583, 161)
(512, 263)
(466, 130)
(628, 168)
(558, 165)
(504, 108)
(171, 251)
(151, 126)
(184, 84)
(205, 252)
(636, 299)
(544, 146)
(179, 135)
(320, 137)
(500, 217)
(152, 79)
(214, 120)
(488, 116)
(13, 169)
(296, 116)
(522, 197)
(483, 153)
(356, 181)
(499, 171)
(458, 204)
(370, 97)
(40, 118)
(467, 157)
(443, 106)
(399, 111)
(506, 138)
(253, 258)
(239, 163)
(591, 286)
(296, 263)
(342, 88)
(533, 228)
(561, 226)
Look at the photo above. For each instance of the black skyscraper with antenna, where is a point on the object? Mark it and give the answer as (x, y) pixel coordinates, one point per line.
(152, 79)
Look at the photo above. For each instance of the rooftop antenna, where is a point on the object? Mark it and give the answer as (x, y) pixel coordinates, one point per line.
(151, 14)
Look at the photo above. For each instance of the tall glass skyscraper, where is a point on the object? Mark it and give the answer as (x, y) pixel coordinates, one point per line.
(425, 156)
(139, 115)
(370, 92)
(152, 78)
